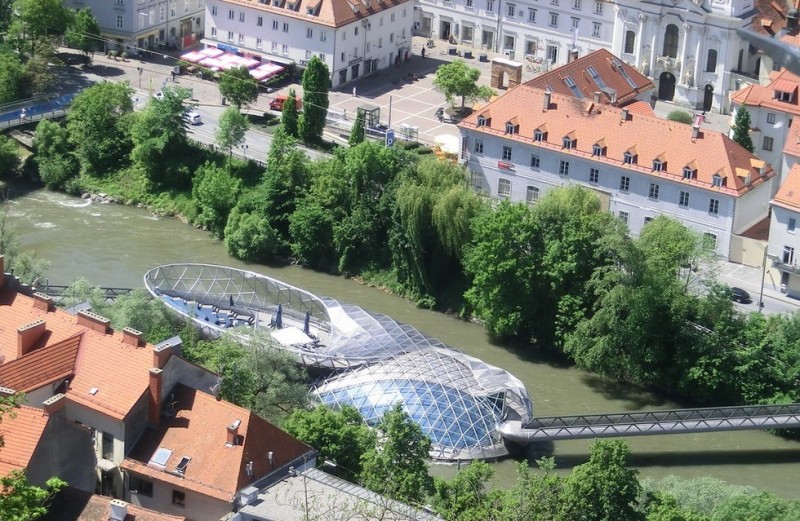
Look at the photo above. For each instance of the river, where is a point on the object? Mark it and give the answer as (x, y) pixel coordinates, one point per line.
(113, 245)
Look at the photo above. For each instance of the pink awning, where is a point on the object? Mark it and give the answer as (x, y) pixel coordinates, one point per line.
(213, 62)
(193, 57)
(266, 71)
(212, 52)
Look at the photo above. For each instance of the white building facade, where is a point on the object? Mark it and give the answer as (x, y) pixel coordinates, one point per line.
(147, 24)
(353, 38)
(699, 177)
(784, 242)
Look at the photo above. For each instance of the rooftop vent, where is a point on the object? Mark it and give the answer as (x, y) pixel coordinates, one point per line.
(118, 511)
(546, 101)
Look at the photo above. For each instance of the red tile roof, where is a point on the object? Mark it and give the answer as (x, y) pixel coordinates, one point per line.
(333, 13)
(41, 366)
(672, 142)
(771, 17)
(607, 66)
(792, 145)
(788, 195)
(199, 431)
(76, 505)
(764, 96)
(21, 434)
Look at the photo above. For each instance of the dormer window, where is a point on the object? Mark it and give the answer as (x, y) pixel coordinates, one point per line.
(598, 150)
(481, 121)
(569, 142)
(277, 3)
(511, 128)
(658, 165)
(181, 467)
(539, 135)
(716, 180)
(292, 5)
(629, 158)
(781, 95)
(689, 173)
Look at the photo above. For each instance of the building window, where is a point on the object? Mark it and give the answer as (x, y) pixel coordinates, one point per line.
(323, 36)
(275, 24)
(260, 21)
(259, 43)
(231, 14)
(598, 7)
(790, 227)
(653, 194)
(647, 220)
(689, 172)
(630, 42)
(553, 2)
(478, 146)
(469, 4)
(178, 498)
(535, 161)
(241, 39)
(286, 27)
(684, 199)
(391, 17)
(553, 19)
(596, 30)
(309, 54)
(716, 180)
(532, 16)
(671, 41)
(576, 4)
(489, 6)
(711, 60)
(241, 16)
(504, 188)
(506, 153)
(771, 118)
(120, 21)
(511, 128)
(532, 195)
(709, 241)
(563, 168)
(623, 216)
(213, 31)
(476, 180)
(597, 150)
(538, 135)
(108, 446)
(309, 32)
(594, 175)
(230, 36)
(628, 158)
(658, 165)
(355, 31)
(768, 142)
(274, 46)
(140, 486)
(568, 143)
(284, 49)
(624, 183)
(552, 53)
(214, 10)
(576, 22)
(788, 255)
(510, 10)
(713, 206)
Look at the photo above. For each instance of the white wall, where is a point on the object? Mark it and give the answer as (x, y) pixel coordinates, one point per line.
(779, 234)
(196, 506)
(752, 206)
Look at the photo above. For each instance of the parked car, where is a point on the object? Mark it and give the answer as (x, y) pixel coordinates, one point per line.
(740, 295)
(280, 100)
(193, 118)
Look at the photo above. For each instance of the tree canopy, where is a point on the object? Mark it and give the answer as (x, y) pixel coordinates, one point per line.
(238, 86)
(83, 32)
(459, 79)
(289, 116)
(741, 129)
(232, 129)
(316, 83)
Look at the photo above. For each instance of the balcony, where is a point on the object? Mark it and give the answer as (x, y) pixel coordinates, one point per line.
(783, 266)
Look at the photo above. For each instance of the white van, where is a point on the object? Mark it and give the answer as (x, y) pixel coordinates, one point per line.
(193, 118)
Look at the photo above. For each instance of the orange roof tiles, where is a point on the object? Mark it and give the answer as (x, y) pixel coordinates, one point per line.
(41, 366)
(199, 431)
(76, 505)
(333, 13)
(788, 195)
(764, 96)
(792, 145)
(607, 66)
(118, 370)
(21, 435)
(771, 16)
(713, 152)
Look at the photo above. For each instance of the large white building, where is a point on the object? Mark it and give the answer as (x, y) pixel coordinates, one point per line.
(529, 140)
(784, 241)
(353, 37)
(152, 24)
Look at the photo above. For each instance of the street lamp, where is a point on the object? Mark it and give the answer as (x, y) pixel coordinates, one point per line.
(763, 276)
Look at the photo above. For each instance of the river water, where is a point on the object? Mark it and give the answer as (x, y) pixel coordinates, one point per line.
(113, 245)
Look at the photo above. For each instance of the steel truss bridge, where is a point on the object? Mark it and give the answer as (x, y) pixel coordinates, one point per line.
(675, 421)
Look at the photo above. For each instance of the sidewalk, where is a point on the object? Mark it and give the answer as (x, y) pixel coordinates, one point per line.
(749, 278)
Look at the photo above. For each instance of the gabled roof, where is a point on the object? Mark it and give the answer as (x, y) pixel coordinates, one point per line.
(21, 434)
(613, 74)
(41, 366)
(788, 195)
(713, 152)
(198, 430)
(332, 13)
(771, 16)
(764, 96)
(76, 505)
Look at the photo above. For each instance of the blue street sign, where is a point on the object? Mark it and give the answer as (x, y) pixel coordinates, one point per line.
(390, 137)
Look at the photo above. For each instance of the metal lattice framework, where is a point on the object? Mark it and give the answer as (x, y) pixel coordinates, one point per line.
(676, 421)
(459, 401)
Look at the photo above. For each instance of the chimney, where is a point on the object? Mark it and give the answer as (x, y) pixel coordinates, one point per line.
(43, 302)
(118, 510)
(695, 131)
(161, 355)
(132, 337)
(7, 391)
(233, 433)
(55, 403)
(624, 115)
(546, 102)
(597, 95)
(154, 404)
(28, 335)
(94, 322)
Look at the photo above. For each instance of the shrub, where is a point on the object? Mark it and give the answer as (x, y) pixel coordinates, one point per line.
(681, 116)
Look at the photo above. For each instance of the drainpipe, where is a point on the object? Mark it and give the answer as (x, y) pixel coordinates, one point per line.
(497, 34)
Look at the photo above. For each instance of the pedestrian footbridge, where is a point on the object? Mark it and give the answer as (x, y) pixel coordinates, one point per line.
(676, 421)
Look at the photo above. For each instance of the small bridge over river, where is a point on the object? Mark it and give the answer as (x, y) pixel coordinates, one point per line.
(57, 291)
(675, 421)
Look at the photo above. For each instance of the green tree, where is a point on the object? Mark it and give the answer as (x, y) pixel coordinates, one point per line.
(38, 19)
(602, 489)
(11, 77)
(249, 236)
(536, 494)
(52, 152)
(160, 139)
(289, 117)
(83, 33)
(760, 507)
(6, 12)
(316, 83)
(459, 79)
(40, 77)
(215, 192)
(357, 134)
(98, 123)
(340, 436)
(231, 132)
(681, 116)
(9, 157)
(311, 231)
(398, 466)
(238, 86)
(741, 129)
(470, 495)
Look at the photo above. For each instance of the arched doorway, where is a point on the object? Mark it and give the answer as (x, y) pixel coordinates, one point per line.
(666, 86)
(708, 97)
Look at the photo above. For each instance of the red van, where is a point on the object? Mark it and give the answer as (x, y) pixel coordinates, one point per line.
(277, 103)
